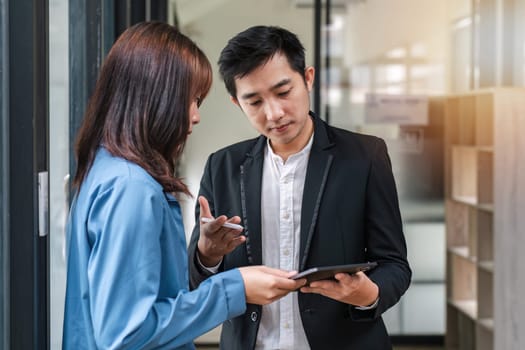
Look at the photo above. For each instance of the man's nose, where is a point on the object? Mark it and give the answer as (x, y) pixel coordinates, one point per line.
(274, 111)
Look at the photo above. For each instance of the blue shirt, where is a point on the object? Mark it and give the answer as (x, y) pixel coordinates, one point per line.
(127, 282)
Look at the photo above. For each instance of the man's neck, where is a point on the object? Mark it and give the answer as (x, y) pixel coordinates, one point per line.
(285, 151)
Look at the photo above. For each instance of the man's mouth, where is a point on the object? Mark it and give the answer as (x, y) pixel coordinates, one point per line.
(280, 128)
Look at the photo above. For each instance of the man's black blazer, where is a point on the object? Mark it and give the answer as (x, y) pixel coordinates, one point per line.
(350, 214)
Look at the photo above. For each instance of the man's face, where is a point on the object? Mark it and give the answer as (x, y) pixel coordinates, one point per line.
(276, 101)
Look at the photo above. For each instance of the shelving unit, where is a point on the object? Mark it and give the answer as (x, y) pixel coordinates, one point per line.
(484, 211)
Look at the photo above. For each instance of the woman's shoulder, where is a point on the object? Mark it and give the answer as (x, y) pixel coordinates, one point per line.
(110, 170)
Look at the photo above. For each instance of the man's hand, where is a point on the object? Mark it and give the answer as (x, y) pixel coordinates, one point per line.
(264, 285)
(215, 241)
(357, 289)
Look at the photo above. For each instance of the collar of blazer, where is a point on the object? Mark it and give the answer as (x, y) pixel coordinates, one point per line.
(316, 177)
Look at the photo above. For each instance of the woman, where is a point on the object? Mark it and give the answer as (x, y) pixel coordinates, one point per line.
(127, 284)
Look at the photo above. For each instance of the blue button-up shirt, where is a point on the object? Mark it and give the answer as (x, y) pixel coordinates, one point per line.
(127, 283)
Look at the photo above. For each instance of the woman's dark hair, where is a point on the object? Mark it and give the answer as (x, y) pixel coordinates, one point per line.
(254, 47)
(140, 107)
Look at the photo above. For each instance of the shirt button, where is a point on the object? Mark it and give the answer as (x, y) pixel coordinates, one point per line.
(286, 325)
(253, 316)
(286, 216)
(286, 252)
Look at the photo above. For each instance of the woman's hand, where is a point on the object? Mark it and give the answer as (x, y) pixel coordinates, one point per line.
(264, 285)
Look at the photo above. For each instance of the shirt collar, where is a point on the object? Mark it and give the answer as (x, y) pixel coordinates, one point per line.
(303, 152)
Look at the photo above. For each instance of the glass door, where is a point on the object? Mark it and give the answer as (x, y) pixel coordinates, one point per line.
(59, 151)
(403, 59)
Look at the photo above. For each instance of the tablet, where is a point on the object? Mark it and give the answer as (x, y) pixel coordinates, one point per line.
(328, 272)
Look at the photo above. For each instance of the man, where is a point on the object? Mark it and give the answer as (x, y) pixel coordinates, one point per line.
(307, 195)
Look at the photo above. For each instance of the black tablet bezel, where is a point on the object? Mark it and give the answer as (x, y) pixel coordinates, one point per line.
(328, 272)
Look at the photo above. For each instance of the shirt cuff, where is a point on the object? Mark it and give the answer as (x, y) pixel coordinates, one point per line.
(212, 269)
(369, 307)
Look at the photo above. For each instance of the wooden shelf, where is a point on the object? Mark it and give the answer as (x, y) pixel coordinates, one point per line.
(467, 307)
(486, 265)
(484, 157)
(470, 200)
(472, 174)
(462, 274)
(487, 323)
(485, 207)
(461, 251)
(485, 295)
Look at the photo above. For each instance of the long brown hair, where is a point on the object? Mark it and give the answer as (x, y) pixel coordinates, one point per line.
(140, 107)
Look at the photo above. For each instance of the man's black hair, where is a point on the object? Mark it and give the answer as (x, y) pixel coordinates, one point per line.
(254, 47)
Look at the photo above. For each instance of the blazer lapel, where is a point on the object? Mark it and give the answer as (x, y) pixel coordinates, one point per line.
(251, 182)
(317, 172)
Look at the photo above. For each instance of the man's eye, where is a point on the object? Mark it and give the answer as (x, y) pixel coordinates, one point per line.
(284, 93)
(199, 101)
(255, 103)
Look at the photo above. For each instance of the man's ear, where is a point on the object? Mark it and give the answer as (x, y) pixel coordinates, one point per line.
(235, 101)
(309, 77)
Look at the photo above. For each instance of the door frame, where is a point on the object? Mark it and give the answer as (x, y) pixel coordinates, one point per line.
(27, 153)
(4, 184)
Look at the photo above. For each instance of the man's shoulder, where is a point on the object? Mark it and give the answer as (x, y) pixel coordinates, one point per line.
(240, 148)
(344, 137)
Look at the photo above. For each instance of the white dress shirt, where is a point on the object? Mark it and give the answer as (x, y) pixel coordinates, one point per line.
(281, 200)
